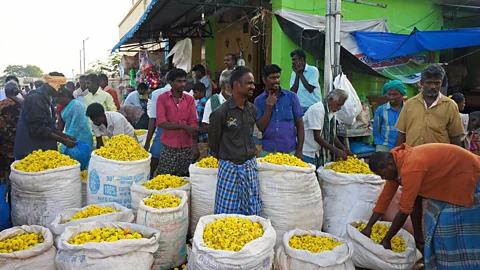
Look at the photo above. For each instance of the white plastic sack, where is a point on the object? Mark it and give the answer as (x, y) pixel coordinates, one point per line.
(41, 257)
(84, 193)
(110, 180)
(291, 198)
(339, 258)
(119, 255)
(142, 138)
(347, 198)
(204, 188)
(373, 256)
(61, 221)
(255, 255)
(352, 107)
(173, 225)
(140, 192)
(37, 197)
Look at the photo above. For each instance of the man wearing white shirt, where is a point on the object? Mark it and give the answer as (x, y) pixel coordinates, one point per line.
(216, 100)
(108, 124)
(82, 91)
(2, 91)
(134, 97)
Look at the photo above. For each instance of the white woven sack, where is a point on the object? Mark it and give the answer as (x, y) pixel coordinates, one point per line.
(37, 197)
(347, 197)
(204, 188)
(140, 192)
(41, 256)
(291, 198)
(339, 258)
(110, 180)
(61, 221)
(255, 255)
(142, 138)
(84, 193)
(126, 254)
(373, 256)
(173, 225)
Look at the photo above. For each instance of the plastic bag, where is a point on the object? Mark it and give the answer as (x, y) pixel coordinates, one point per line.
(41, 256)
(353, 106)
(140, 192)
(339, 258)
(81, 153)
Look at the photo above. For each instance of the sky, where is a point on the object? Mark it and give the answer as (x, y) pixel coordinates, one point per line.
(49, 33)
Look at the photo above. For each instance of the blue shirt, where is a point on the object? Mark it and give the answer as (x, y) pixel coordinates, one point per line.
(280, 134)
(208, 85)
(133, 99)
(384, 131)
(202, 136)
(306, 98)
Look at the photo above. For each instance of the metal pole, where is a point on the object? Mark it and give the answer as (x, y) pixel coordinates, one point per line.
(84, 69)
(81, 62)
(328, 80)
(337, 45)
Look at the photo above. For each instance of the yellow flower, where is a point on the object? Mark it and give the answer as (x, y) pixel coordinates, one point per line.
(314, 244)
(20, 242)
(84, 175)
(140, 132)
(161, 201)
(122, 148)
(231, 233)
(284, 159)
(104, 235)
(40, 160)
(91, 211)
(209, 162)
(351, 166)
(378, 233)
(164, 181)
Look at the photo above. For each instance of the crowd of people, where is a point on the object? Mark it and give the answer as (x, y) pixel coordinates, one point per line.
(186, 121)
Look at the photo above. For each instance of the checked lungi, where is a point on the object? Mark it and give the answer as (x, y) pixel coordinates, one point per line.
(174, 161)
(452, 235)
(238, 188)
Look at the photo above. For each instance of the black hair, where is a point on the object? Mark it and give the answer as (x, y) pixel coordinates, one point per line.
(63, 92)
(379, 160)
(56, 74)
(142, 86)
(475, 115)
(176, 73)
(238, 73)
(95, 110)
(200, 68)
(270, 69)
(83, 77)
(77, 85)
(434, 71)
(70, 84)
(458, 97)
(93, 78)
(102, 77)
(300, 53)
(234, 57)
(12, 78)
(199, 87)
(38, 84)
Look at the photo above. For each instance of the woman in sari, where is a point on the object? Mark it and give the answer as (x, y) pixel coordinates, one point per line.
(75, 118)
(9, 113)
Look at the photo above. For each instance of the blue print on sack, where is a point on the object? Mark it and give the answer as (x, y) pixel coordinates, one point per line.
(94, 181)
(110, 190)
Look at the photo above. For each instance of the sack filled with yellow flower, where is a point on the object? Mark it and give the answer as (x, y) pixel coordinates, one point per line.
(111, 212)
(203, 179)
(27, 247)
(347, 197)
(369, 254)
(250, 240)
(113, 252)
(114, 168)
(43, 184)
(167, 212)
(159, 184)
(141, 136)
(312, 250)
(286, 189)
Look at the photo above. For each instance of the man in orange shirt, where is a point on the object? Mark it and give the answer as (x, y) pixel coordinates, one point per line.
(446, 175)
(103, 82)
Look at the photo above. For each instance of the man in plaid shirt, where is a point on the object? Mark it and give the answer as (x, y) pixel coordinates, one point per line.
(199, 92)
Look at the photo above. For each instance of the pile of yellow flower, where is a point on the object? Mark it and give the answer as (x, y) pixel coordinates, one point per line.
(209, 162)
(84, 175)
(183, 267)
(231, 233)
(93, 210)
(351, 166)
(20, 242)
(314, 244)
(104, 235)
(44, 160)
(164, 181)
(161, 201)
(140, 132)
(378, 233)
(284, 159)
(105, 139)
(122, 148)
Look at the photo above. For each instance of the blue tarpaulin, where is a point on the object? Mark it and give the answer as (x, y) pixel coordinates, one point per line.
(387, 45)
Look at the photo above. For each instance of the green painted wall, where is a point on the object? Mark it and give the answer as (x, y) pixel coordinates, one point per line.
(402, 15)
(210, 50)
